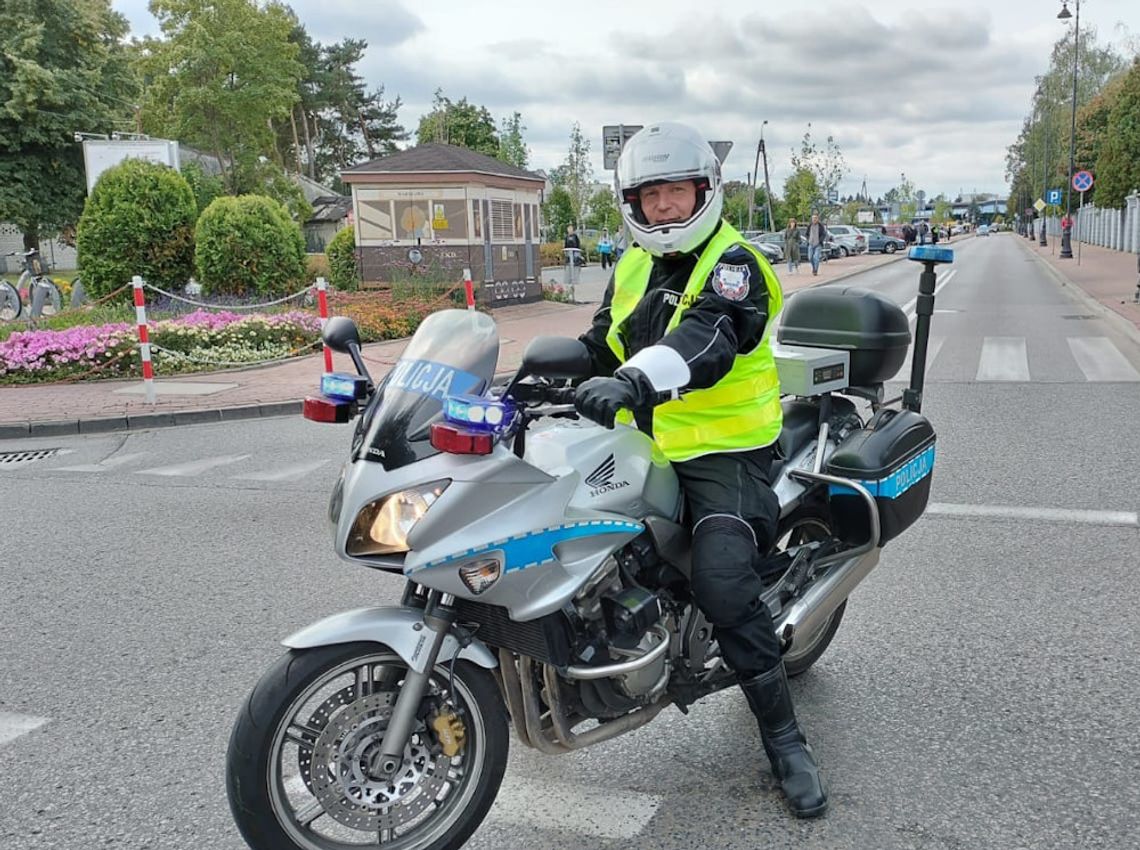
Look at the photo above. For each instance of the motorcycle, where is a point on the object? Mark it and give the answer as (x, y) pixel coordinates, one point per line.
(546, 565)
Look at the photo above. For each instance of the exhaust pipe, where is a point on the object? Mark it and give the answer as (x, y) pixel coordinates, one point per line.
(811, 611)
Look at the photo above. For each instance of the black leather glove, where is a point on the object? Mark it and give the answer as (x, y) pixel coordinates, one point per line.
(600, 399)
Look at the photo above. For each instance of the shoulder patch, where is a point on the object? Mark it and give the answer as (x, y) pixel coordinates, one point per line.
(731, 281)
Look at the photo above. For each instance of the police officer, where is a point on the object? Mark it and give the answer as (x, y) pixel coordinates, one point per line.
(690, 307)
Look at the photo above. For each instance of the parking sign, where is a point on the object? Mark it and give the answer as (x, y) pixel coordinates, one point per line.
(1053, 197)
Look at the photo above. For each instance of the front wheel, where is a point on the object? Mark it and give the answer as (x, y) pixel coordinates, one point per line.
(843, 252)
(298, 770)
(890, 248)
(10, 306)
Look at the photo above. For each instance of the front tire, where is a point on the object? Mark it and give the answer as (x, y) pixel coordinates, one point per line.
(297, 770)
(807, 524)
(890, 247)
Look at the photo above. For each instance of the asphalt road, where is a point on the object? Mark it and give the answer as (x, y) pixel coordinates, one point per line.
(982, 691)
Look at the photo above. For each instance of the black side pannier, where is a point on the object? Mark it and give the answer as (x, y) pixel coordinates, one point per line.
(893, 457)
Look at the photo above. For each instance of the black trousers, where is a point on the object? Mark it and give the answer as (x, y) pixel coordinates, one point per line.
(607, 259)
(733, 513)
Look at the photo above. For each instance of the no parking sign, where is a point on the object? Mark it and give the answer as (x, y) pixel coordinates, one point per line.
(1082, 181)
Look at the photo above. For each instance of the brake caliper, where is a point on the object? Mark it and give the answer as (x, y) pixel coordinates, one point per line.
(449, 731)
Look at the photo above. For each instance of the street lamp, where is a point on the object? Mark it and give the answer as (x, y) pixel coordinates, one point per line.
(1066, 232)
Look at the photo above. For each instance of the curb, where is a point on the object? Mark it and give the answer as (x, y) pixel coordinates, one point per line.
(145, 421)
(1107, 313)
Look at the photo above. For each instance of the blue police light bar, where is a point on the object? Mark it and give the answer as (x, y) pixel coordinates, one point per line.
(931, 254)
(477, 412)
(343, 386)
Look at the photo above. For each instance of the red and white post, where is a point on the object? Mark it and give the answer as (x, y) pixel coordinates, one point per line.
(469, 289)
(144, 340)
(323, 306)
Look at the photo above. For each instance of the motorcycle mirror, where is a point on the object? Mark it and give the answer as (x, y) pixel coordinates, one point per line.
(556, 357)
(340, 334)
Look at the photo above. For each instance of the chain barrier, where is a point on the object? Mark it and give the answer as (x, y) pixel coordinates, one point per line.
(98, 368)
(191, 301)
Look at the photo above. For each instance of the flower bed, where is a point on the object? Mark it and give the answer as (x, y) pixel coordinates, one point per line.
(204, 340)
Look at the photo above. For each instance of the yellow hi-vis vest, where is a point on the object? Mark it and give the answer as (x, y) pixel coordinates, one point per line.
(740, 411)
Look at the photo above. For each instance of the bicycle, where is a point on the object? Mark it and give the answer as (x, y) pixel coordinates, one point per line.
(43, 295)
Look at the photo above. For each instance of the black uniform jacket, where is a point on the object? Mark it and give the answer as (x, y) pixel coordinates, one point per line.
(727, 318)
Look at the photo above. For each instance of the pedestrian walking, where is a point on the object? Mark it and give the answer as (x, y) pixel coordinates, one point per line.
(606, 250)
(792, 246)
(816, 236)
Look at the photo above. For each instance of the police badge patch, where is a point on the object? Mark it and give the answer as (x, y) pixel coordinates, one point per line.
(730, 281)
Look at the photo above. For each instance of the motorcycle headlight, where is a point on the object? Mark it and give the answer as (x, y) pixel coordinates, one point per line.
(382, 526)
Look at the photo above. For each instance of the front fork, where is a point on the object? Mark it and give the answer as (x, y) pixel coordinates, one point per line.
(439, 616)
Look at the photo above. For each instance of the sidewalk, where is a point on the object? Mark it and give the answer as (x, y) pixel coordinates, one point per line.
(102, 406)
(1105, 277)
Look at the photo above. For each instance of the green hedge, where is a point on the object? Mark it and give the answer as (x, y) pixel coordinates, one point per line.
(139, 219)
(341, 252)
(249, 245)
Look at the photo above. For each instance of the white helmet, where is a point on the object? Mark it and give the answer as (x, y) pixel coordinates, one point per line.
(665, 153)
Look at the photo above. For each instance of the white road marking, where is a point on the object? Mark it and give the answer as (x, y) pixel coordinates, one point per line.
(194, 467)
(913, 303)
(1004, 358)
(102, 466)
(12, 726)
(584, 810)
(587, 810)
(1100, 360)
(1126, 519)
(287, 473)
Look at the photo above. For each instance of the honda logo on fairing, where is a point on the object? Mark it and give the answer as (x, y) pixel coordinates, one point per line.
(601, 480)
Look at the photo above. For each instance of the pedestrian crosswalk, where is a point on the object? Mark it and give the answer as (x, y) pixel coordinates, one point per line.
(1014, 359)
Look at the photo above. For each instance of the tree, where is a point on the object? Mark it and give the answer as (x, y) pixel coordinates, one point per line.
(557, 213)
(512, 146)
(801, 191)
(575, 175)
(335, 122)
(459, 123)
(736, 194)
(62, 70)
(942, 209)
(1038, 159)
(826, 164)
(1118, 166)
(604, 213)
(224, 72)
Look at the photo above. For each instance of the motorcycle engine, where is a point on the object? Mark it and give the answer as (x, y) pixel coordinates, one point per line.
(619, 616)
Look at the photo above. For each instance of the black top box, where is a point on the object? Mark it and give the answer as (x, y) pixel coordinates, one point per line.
(870, 326)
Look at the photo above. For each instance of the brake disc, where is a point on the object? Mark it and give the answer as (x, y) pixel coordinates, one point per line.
(339, 771)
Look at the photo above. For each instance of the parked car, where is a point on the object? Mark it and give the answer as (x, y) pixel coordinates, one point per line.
(774, 252)
(983, 230)
(877, 241)
(830, 249)
(850, 239)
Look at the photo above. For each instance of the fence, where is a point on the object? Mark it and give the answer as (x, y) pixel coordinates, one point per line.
(1116, 229)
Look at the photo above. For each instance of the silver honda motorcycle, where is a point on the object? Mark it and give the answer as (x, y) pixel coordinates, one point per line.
(546, 568)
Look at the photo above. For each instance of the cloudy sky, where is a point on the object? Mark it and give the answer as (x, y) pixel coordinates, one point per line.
(933, 89)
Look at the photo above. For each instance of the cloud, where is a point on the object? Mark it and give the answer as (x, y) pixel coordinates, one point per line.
(382, 23)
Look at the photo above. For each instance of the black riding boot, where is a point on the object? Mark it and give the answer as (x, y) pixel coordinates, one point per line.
(788, 750)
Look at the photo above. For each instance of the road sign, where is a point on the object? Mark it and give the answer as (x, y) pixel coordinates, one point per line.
(1039, 205)
(614, 137)
(1053, 196)
(1082, 181)
(721, 150)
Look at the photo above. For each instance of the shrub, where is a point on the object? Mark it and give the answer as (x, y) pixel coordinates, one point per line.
(550, 254)
(341, 252)
(249, 245)
(139, 219)
(317, 265)
(205, 186)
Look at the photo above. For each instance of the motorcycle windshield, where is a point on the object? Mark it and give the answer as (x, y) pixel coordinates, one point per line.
(454, 352)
